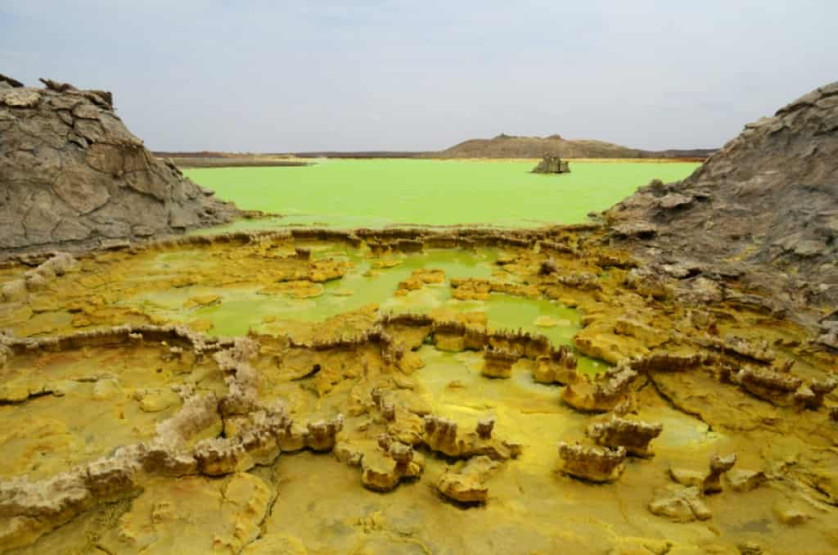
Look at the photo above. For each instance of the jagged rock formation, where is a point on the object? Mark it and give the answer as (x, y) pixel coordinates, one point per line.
(557, 367)
(552, 164)
(71, 174)
(633, 435)
(769, 199)
(31, 505)
(595, 464)
(603, 393)
(468, 483)
(709, 482)
(497, 363)
(382, 469)
(442, 436)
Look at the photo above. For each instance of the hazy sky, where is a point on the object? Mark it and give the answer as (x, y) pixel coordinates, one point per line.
(279, 76)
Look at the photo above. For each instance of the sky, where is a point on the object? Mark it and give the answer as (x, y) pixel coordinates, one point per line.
(279, 76)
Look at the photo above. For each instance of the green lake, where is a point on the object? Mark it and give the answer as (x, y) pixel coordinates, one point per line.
(377, 193)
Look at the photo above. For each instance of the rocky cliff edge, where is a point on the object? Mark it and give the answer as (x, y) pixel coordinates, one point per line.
(72, 175)
(766, 203)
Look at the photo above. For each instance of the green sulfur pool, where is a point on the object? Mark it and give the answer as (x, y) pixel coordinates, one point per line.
(376, 193)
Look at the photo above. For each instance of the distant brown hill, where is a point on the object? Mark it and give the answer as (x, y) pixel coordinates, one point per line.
(502, 146)
(509, 146)
(212, 159)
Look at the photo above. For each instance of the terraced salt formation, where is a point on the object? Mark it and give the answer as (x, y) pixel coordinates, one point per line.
(348, 427)
(71, 174)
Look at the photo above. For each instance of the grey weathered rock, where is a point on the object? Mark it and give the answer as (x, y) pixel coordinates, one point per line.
(641, 230)
(769, 198)
(71, 174)
(675, 200)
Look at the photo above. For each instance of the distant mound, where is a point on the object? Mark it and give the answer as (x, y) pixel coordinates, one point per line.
(71, 174)
(509, 146)
(768, 199)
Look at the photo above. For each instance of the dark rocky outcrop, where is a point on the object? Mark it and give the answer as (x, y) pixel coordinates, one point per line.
(9, 81)
(71, 174)
(767, 202)
(552, 164)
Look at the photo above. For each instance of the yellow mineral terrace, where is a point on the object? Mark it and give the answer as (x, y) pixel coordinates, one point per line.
(324, 391)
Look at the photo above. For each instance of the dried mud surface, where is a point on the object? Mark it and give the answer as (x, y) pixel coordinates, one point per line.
(318, 391)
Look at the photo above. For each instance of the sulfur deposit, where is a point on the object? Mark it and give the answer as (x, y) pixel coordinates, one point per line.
(366, 400)
(380, 391)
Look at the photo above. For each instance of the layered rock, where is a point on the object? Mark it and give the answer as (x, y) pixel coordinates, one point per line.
(779, 386)
(740, 348)
(552, 164)
(771, 385)
(384, 468)
(72, 174)
(603, 393)
(557, 367)
(633, 435)
(768, 198)
(665, 361)
(497, 363)
(443, 436)
(595, 464)
(811, 396)
(467, 484)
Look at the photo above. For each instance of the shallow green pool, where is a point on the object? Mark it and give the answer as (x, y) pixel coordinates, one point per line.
(373, 193)
(244, 307)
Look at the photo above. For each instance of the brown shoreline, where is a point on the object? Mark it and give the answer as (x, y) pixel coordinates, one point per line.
(200, 161)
